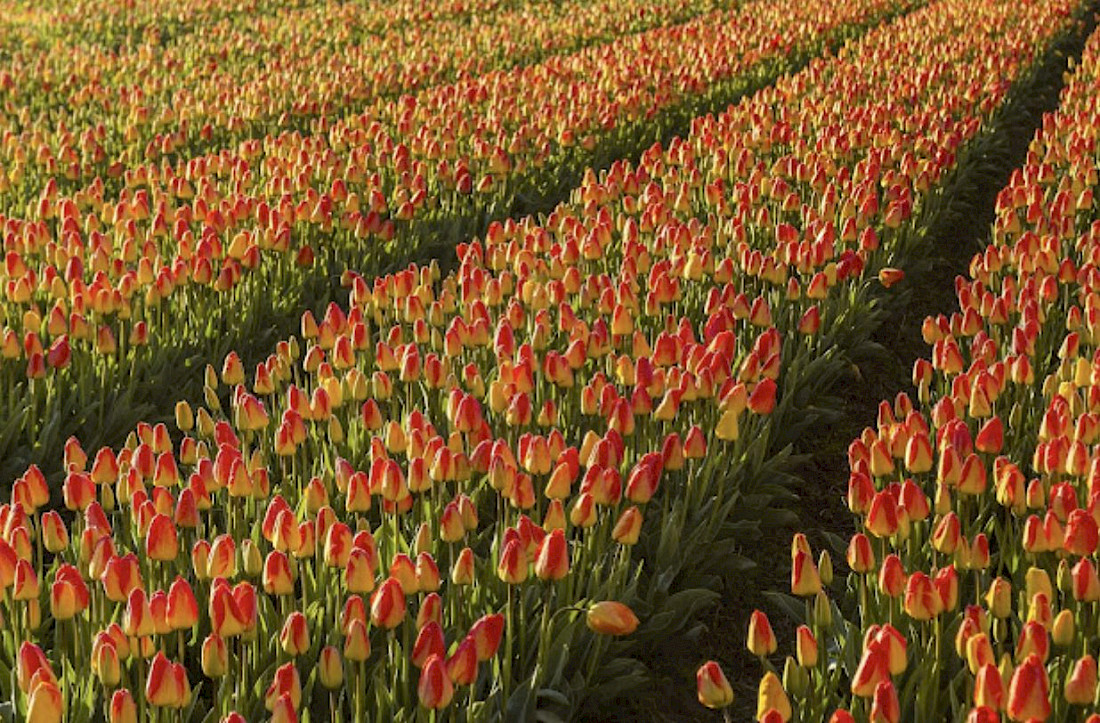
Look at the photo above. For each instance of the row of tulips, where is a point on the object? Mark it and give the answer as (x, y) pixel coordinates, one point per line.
(216, 80)
(462, 465)
(101, 286)
(973, 591)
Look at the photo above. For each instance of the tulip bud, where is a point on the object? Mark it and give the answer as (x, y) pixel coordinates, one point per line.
(330, 668)
(611, 618)
(713, 689)
(434, 689)
(1081, 682)
(123, 709)
(771, 696)
(215, 656)
(761, 640)
(1028, 696)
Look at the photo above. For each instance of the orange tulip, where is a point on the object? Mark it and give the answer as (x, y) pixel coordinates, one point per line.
(611, 618)
(713, 689)
(761, 640)
(387, 609)
(434, 688)
(1028, 692)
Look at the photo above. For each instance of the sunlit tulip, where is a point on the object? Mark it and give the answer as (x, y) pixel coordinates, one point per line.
(611, 618)
(1028, 692)
(713, 689)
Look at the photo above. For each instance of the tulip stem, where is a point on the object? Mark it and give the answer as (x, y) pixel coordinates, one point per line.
(508, 634)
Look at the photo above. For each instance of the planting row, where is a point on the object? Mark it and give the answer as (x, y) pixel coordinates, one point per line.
(973, 590)
(441, 497)
(82, 106)
(108, 286)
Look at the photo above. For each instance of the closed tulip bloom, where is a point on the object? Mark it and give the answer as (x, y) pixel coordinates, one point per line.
(32, 663)
(771, 696)
(611, 618)
(183, 608)
(874, 667)
(226, 618)
(999, 598)
(215, 656)
(1086, 582)
(463, 571)
(403, 570)
(946, 536)
(805, 580)
(882, 516)
(512, 567)
(922, 600)
(884, 706)
(860, 556)
(628, 528)
(1062, 630)
(1029, 691)
(761, 639)
(163, 688)
(105, 661)
(286, 682)
(1033, 640)
(54, 535)
(137, 619)
(890, 640)
(387, 609)
(427, 573)
(356, 641)
(45, 703)
(282, 711)
(979, 652)
(462, 664)
(294, 637)
(552, 560)
(222, 558)
(330, 668)
(1081, 682)
(26, 581)
(1082, 534)
(713, 689)
(429, 642)
(989, 688)
(122, 708)
(841, 716)
(486, 634)
(277, 577)
(806, 648)
(338, 545)
(434, 688)
(892, 580)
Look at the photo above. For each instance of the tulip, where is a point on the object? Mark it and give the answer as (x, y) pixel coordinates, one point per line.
(387, 609)
(771, 696)
(989, 690)
(611, 618)
(434, 688)
(805, 580)
(714, 690)
(874, 667)
(122, 708)
(356, 641)
(552, 561)
(294, 637)
(806, 647)
(330, 668)
(761, 640)
(286, 682)
(1081, 682)
(922, 600)
(45, 703)
(1028, 692)
(486, 634)
(884, 706)
(215, 656)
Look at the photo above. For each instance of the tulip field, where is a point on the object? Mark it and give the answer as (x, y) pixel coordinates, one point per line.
(458, 361)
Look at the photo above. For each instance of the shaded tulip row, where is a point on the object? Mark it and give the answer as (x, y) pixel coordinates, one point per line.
(462, 465)
(972, 589)
(208, 80)
(104, 285)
